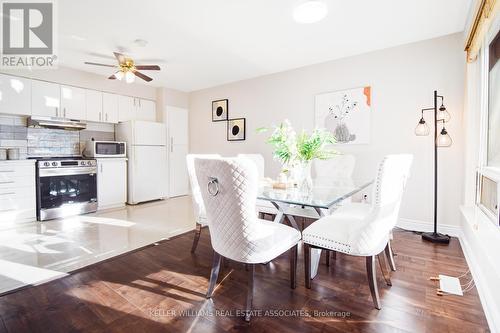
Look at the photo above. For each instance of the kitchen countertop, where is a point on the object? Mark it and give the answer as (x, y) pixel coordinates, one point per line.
(25, 161)
(112, 158)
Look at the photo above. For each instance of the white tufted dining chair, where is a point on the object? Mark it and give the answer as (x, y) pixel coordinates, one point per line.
(339, 167)
(198, 206)
(360, 230)
(229, 189)
(262, 206)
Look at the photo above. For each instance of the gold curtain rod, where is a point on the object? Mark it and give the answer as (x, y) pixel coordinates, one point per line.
(485, 12)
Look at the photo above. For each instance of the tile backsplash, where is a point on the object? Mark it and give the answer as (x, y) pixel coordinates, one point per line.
(47, 142)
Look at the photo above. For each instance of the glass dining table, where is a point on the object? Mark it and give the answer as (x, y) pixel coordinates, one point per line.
(323, 198)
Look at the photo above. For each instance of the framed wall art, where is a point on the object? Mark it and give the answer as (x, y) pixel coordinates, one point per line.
(236, 129)
(220, 110)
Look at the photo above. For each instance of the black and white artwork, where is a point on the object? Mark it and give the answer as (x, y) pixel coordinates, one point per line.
(346, 114)
(219, 110)
(236, 129)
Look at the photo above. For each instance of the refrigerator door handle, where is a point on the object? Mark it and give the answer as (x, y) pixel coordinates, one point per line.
(171, 144)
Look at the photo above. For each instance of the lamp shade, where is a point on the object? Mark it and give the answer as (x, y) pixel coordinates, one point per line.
(443, 139)
(443, 114)
(129, 77)
(119, 75)
(422, 129)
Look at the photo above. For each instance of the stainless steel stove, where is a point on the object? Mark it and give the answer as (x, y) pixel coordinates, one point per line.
(65, 186)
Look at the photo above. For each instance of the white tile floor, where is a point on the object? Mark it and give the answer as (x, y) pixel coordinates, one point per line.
(36, 252)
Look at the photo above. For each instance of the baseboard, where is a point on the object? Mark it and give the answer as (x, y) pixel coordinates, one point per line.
(417, 225)
(481, 284)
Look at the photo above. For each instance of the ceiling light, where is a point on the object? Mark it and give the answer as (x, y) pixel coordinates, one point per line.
(310, 11)
(119, 75)
(129, 77)
(141, 42)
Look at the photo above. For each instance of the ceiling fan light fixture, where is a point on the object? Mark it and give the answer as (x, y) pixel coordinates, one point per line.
(129, 77)
(119, 75)
(310, 11)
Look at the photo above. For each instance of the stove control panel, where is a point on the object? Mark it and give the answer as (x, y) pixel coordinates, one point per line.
(66, 164)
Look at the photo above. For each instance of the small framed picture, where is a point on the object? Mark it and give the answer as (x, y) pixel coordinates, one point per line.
(219, 110)
(236, 129)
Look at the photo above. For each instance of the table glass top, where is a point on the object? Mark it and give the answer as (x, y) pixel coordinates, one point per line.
(324, 194)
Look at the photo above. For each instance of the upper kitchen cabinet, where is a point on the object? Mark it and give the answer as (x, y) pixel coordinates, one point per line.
(72, 103)
(45, 99)
(15, 95)
(110, 108)
(93, 105)
(145, 109)
(126, 108)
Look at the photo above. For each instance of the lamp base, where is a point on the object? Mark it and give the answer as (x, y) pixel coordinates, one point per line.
(436, 237)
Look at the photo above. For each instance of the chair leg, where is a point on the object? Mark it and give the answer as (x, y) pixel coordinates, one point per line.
(372, 280)
(327, 255)
(197, 235)
(214, 274)
(334, 255)
(293, 266)
(383, 268)
(390, 256)
(307, 265)
(248, 313)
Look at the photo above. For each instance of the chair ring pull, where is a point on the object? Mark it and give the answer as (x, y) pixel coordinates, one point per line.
(213, 186)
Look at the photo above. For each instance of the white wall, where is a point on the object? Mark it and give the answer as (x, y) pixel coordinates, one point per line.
(402, 81)
(69, 76)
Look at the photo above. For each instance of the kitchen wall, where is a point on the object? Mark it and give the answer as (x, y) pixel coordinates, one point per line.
(43, 142)
(48, 142)
(69, 76)
(402, 79)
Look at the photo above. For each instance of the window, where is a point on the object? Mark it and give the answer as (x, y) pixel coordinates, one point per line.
(493, 149)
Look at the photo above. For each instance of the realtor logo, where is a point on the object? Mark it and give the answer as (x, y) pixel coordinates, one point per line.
(28, 34)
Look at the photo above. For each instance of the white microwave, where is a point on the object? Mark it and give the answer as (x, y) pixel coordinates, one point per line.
(98, 149)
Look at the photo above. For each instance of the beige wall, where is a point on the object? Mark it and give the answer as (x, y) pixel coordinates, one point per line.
(402, 80)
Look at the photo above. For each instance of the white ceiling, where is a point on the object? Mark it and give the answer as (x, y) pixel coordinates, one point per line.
(207, 43)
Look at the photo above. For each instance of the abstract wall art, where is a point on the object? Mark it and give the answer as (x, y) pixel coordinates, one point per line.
(346, 113)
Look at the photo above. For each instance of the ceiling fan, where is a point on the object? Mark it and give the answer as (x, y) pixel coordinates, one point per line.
(127, 69)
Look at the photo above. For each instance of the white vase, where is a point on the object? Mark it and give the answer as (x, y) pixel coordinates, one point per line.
(303, 176)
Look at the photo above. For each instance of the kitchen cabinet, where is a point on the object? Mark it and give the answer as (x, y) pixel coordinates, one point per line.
(110, 111)
(45, 99)
(132, 108)
(145, 109)
(17, 192)
(178, 149)
(72, 103)
(93, 105)
(111, 182)
(126, 108)
(15, 95)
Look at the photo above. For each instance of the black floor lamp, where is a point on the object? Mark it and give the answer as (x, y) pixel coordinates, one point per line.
(440, 140)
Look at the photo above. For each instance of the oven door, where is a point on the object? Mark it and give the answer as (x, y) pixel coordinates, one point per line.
(66, 191)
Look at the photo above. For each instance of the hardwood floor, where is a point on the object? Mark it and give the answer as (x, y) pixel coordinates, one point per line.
(146, 291)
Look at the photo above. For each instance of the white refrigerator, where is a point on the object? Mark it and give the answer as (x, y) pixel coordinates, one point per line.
(147, 159)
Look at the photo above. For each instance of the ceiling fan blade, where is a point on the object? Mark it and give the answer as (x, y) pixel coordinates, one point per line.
(112, 77)
(98, 64)
(120, 57)
(148, 67)
(142, 76)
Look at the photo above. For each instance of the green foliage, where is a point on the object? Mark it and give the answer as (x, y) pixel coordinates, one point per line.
(290, 147)
(314, 145)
